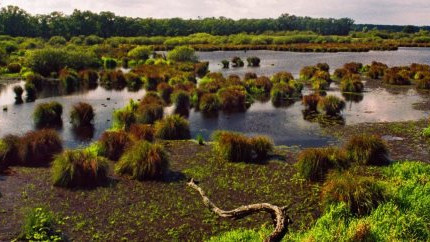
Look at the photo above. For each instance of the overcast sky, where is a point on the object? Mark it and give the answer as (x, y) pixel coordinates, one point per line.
(401, 12)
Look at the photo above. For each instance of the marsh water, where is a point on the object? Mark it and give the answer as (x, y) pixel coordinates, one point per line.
(286, 124)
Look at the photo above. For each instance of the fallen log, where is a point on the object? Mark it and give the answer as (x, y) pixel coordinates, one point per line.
(279, 216)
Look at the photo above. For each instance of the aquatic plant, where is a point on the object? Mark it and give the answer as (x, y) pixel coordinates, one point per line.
(31, 92)
(393, 76)
(150, 109)
(113, 79)
(114, 143)
(367, 149)
(376, 70)
(69, 78)
(144, 161)
(232, 98)
(142, 132)
(423, 83)
(209, 103)
(82, 114)
(320, 84)
(314, 163)
(9, 147)
(340, 73)
(360, 194)
(201, 68)
(172, 127)
(351, 83)
(237, 62)
(253, 61)
(182, 54)
(200, 140)
(250, 75)
(330, 105)
(79, 168)
(225, 64)
(323, 67)
(48, 114)
(311, 102)
(39, 147)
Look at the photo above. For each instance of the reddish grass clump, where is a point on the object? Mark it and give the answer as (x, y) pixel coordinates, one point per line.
(144, 161)
(209, 103)
(142, 132)
(330, 105)
(311, 102)
(396, 76)
(48, 114)
(82, 114)
(232, 98)
(353, 67)
(282, 76)
(114, 143)
(39, 147)
(79, 168)
(173, 127)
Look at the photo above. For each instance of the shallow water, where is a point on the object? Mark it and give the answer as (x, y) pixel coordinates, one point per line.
(285, 124)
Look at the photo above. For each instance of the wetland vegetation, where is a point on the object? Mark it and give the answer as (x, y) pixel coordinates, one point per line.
(123, 173)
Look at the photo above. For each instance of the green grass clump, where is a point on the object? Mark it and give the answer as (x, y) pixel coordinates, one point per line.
(340, 73)
(209, 103)
(113, 79)
(367, 150)
(396, 76)
(39, 147)
(172, 127)
(134, 82)
(9, 146)
(123, 118)
(225, 64)
(235, 147)
(79, 168)
(351, 83)
(314, 163)
(353, 67)
(48, 114)
(69, 78)
(426, 132)
(82, 114)
(181, 99)
(144, 161)
(253, 61)
(307, 72)
(182, 54)
(361, 194)
(114, 143)
(330, 105)
(165, 90)
(140, 52)
(282, 76)
(39, 225)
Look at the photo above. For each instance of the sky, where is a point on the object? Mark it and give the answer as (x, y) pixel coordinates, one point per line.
(401, 12)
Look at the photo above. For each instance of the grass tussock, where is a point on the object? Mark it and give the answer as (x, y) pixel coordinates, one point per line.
(330, 105)
(48, 114)
(144, 161)
(39, 147)
(79, 168)
(367, 150)
(173, 127)
(142, 132)
(82, 114)
(114, 143)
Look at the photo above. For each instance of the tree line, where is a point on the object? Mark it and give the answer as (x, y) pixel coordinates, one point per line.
(15, 21)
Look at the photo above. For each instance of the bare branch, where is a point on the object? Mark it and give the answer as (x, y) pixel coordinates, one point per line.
(281, 220)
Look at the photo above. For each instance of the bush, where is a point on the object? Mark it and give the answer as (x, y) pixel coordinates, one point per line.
(144, 161)
(225, 64)
(330, 105)
(140, 52)
(181, 99)
(232, 98)
(39, 147)
(237, 62)
(360, 194)
(173, 127)
(182, 54)
(233, 147)
(367, 150)
(79, 168)
(114, 143)
(142, 132)
(48, 114)
(82, 114)
(39, 225)
(209, 103)
(14, 68)
(314, 163)
(261, 146)
(253, 61)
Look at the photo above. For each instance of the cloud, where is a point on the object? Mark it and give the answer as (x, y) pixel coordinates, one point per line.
(363, 11)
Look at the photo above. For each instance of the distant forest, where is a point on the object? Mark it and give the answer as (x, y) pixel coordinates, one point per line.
(15, 21)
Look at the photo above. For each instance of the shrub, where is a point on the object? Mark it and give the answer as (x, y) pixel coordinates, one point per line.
(48, 114)
(351, 83)
(39, 225)
(110, 63)
(144, 161)
(311, 102)
(367, 150)
(282, 77)
(82, 114)
(142, 132)
(209, 103)
(225, 64)
(361, 194)
(233, 147)
(140, 52)
(173, 127)
(14, 68)
(253, 61)
(182, 54)
(181, 99)
(79, 168)
(232, 98)
(330, 105)
(114, 143)
(261, 145)
(237, 62)
(39, 147)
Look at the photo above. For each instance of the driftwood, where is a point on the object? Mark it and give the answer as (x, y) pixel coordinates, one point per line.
(280, 219)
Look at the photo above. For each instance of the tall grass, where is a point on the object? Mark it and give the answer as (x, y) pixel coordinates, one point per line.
(172, 127)
(367, 149)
